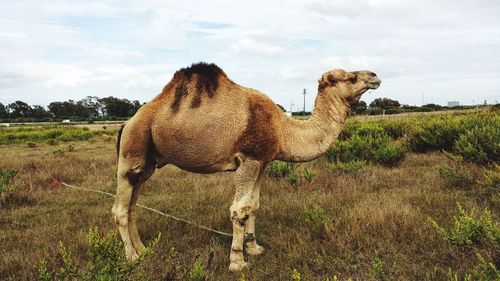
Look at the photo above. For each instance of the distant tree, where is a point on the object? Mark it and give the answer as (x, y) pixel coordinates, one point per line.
(39, 112)
(119, 107)
(63, 109)
(18, 109)
(281, 107)
(89, 107)
(3, 111)
(360, 108)
(433, 106)
(384, 102)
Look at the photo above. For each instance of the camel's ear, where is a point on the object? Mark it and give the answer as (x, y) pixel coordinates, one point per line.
(327, 80)
(351, 77)
(332, 80)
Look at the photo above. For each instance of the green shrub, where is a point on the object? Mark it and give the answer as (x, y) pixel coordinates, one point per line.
(436, 134)
(484, 271)
(361, 129)
(491, 178)
(106, 261)
(44, 134)
(455, 175)
(470, 229)
(197, 273)
(316, 219)
(7, 184)
(6, 179)
(308, 175)
(480, 145)
(279, 169)
(381, 272)
(395, 129)
(388, 154)
(351, 167)
(292, 178)
(366, 148)
(59, 152)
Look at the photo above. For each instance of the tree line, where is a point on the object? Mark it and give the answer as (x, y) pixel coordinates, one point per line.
(89, 108)
(111, 108)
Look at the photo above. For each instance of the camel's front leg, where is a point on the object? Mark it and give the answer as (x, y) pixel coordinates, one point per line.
(242, 208)
(250, 239)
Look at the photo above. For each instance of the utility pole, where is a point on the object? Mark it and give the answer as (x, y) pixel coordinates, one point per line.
(422, 99)
(291, 107)
(304, 93)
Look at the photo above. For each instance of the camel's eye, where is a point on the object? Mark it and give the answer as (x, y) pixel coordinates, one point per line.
(353, 79)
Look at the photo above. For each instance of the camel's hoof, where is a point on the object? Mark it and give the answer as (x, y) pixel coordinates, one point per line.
(255, 251)
(132, 256)
(237, 266)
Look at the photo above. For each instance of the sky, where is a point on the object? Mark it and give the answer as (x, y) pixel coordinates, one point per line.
(433, 51)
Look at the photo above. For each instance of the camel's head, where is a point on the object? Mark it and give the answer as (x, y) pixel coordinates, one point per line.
(351, 84)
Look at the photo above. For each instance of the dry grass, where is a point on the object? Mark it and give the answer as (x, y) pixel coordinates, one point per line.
(378, 212)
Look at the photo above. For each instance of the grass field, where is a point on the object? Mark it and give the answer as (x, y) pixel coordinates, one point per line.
(371, 224)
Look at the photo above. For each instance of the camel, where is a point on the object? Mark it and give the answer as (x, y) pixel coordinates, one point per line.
(203, 122)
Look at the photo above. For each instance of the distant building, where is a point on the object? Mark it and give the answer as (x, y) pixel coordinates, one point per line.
(453, 103)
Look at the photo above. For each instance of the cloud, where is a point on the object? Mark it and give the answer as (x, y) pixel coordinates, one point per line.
(259, 48)
(131, 49)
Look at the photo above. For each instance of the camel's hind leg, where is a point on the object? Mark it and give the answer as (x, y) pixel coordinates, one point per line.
(132, 222)
(129, 179)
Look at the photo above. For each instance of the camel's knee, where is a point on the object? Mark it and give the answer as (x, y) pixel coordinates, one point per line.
(120, 215)
(240, 214)
(133, 175)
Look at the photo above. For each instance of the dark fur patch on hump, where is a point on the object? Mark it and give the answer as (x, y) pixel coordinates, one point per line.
(259, 140)
(207, 82)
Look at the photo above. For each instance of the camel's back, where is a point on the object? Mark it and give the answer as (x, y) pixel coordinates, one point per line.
(201, 115)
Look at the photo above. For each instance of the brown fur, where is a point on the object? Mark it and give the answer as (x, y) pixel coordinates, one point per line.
(259, 140)
(118, 139)
(207, 81)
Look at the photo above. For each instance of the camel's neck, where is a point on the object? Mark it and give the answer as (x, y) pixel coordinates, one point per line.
(304, 140)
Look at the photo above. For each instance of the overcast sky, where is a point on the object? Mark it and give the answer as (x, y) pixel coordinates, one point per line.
(69, 49)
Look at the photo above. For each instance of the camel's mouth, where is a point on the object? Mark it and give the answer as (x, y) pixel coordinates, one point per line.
(374, 83)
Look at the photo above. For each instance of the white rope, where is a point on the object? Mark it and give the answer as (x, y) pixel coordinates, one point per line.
(148, 208)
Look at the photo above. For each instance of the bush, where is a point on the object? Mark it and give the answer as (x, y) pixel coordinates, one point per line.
(366, 148)
(351, 167)
(469, 229)
(396, 129)
(6, 183)
(197, 273)
(316, 219)
(388, 154)
(436, 134)
(6, 177)
(484, 271)
(292, 178)
(44, 134)
(381, 272)
(106, 261)
(480, 145)
(309, 175)
(279, 169)
(456, 175)
(491, 178)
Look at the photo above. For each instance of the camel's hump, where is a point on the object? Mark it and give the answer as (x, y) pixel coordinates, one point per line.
(208, 71)
(207, 81)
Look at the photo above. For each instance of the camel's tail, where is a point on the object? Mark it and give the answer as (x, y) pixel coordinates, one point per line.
(118, 139)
